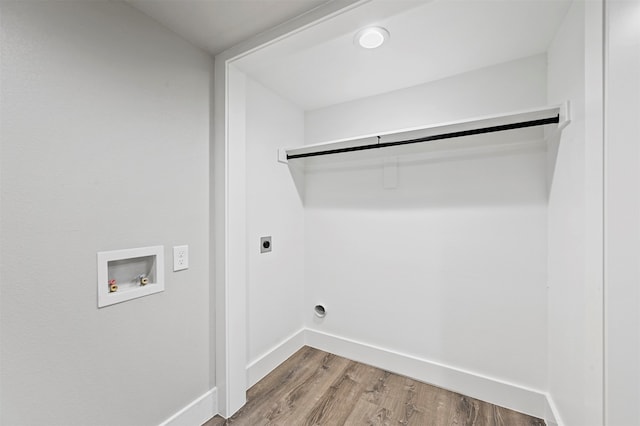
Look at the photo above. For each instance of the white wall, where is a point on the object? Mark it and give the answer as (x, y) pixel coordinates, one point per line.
(105, 135)
(511, 86)
(450, 266)
(575, 227)
(275, 280)
(623, 213)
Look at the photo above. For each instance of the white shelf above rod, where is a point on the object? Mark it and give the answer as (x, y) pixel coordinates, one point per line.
(516, 120)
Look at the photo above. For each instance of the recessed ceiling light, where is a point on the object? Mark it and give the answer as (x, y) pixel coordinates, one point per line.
(371, 37)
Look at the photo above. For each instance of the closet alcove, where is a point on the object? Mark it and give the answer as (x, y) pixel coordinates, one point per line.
(444, 259)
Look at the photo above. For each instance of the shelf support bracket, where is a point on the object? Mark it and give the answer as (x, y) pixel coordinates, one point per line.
(282, 156)
(565, 116)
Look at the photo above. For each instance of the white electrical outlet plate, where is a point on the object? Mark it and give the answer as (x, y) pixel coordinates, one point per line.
(180, 258)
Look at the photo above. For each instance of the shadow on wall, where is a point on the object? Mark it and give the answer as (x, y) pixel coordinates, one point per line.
(507, 168)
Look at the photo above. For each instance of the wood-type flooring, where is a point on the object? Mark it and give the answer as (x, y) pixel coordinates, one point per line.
(314, 387)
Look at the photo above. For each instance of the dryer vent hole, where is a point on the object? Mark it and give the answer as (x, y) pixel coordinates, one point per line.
(320, 311)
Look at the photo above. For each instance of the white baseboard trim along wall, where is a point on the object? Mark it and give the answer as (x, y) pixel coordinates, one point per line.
(551, 413)
(500, 393)
(528, 401)
(262, 366)
(196, 413)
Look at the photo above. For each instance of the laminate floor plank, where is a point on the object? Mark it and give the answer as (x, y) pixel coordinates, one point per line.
(336, 403)
(270, 394)
(290, 410)
(272, 387)
(366, 413)
(398, 403)
(505, 417)
(314, 388)
(287, 372)
(369, 408)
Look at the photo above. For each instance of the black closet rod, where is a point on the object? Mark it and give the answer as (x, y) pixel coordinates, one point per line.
(520, 125)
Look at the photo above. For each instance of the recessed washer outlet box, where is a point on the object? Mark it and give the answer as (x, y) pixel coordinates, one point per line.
(130, 273)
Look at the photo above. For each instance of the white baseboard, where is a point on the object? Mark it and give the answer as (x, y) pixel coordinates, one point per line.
(197, 412)
(274, 357)
(497, 392)
(552, 417)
